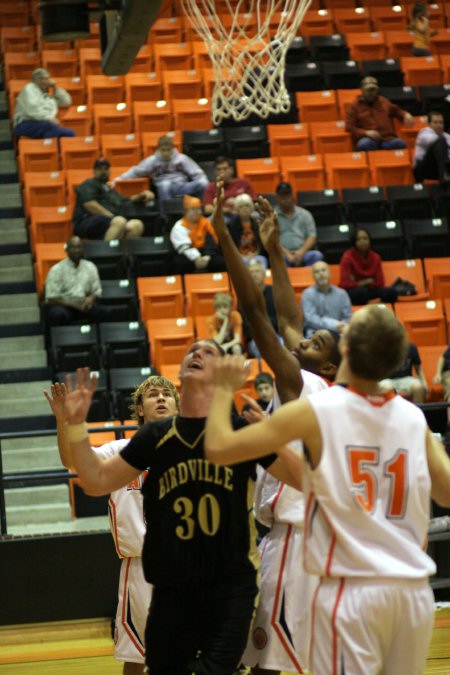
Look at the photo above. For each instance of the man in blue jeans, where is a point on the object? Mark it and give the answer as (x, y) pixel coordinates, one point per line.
(35, 114)
(370, 119)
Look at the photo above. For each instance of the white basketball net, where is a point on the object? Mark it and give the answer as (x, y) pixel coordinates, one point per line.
(247, 52)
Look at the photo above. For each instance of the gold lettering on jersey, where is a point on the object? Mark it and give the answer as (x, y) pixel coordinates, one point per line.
(195, 470)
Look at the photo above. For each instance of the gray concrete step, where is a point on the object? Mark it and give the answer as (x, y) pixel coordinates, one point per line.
(31, 442)
(31, 459)
(10, 274)
(7, 224)
(12, 236)
(21, 315)
(15, 260)
(41, 513)
(10, 189)
(28, 359)
(92, 524)
(26, 391)
(21, 301)
(16, 407)
(27, 343)
(6, 155)
(34, 496)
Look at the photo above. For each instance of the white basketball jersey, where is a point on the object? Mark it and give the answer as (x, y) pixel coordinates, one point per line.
(275, 501)
(126, 510)
(368, 500)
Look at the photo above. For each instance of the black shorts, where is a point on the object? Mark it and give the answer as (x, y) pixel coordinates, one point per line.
(202, 631)
(92, 226)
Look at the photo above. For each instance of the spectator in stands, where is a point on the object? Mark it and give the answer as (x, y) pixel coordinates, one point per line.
(324, 305)
(362, 272)
(258, 272)
(264, 388)
(432, 150)
(172, 173)
(245, 232)
(37, 107)
(225, 325)
(370, 119)
(443, 377)
(414, 387)
(98, 209)
(232, 187)
(420, 26)
(297, 229)
(72, 288)
(195, 242)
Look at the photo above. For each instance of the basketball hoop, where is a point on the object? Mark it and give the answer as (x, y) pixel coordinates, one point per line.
(248, 52)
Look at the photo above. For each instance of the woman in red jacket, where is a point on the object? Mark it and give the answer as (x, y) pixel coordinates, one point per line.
(361, 272)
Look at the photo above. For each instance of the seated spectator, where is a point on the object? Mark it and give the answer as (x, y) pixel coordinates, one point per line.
(245, 232)
(362, 272)
(232, 187)
(297, 229)
(370, 119)
(72, 288)
(264, 388)
(258, 272)
(195, 242)
(324, 305)
(432, 151)
(98, 209)
(414, 387)
(37, 107)
(172, 173)
(225, 325)
(443, 377)
(420, 26)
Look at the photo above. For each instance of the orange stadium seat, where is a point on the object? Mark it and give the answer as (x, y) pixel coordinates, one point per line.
(318, 22)
(143, 87)
(440, 43)
(248, 388)
(330, 137)
(90, 61)
(209, 79)
(352, 20)
(105, 89)
(160, 297)
(202, 59)
(346, 170)
(17, 38)
(424, 321)
(317, 106)
(301, 278)
(121, 149)
(289, 139)
(19, 66)
(47, 255)
(263, 173)
(192, 114)
(14, 14)
(410, 270)
(201, 327)
(182, 84)
(172, 372)
(390, 167)
(421, 70)
(429, 355)
(436, 16)
(345, 98)
(172, 57)
(409, 134)
(169, 339)
(366, 46)
(152, 116)
(166, 30)
(79, 152)
(399, 43)
(61, 62)
(40, 154)
(445, 67)
(129, 186)
(75, 177)
(149, 141)
(78, 118)
(49, 224)
(75, 87)
(446, 302)
(437, 274)
(389, 18)
(44, 189)
(143, 61)
(110, 118)
(304, 173)
(97, 438)
(200, 290)
(14, 89)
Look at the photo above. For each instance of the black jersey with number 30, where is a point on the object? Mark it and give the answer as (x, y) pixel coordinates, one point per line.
(199, 515)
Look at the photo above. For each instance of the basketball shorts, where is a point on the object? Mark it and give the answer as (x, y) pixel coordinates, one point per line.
(200, 630)
(132, 611)
(371, 626)
(279, 636)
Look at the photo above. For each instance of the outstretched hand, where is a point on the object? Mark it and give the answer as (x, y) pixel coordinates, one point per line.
(269, 229)
(218, 220)
(231, 372)
(57, 400)
(254, 413)
(79, 397)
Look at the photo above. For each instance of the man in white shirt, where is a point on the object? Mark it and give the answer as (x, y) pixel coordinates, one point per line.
(432, 150)
(72, 288)
(35, 114)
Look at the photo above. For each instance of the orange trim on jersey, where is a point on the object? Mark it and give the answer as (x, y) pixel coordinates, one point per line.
(277, 496)
(115, 532)
(278, 592)
(377, 400)
(128, 630)
(333, 628)
(313, 618)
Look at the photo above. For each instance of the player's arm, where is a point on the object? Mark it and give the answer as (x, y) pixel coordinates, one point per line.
(283, 364)
(439, 468)
(289, 314)
(288, 468)
(56, 402)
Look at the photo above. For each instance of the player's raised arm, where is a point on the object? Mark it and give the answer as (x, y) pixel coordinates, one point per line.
(289, 313)
(98, 476)
(284, 365)
(439, 468)
(56, 400)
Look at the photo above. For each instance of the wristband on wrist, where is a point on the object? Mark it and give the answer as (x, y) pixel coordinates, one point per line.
(77, 432)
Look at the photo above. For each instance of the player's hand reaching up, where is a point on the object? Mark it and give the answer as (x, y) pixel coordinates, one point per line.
(254, 413)
(79, 397)
(231, 372)
(56, 400)
(269, 229)
(218, 220)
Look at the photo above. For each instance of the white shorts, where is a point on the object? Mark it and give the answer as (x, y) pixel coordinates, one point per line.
(279, 635)
(371, 626)
(134, 600)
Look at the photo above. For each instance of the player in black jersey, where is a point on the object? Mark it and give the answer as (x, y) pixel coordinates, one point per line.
(199, 551)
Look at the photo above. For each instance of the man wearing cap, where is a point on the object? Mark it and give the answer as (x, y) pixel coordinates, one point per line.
(370, 119)
(297, 229)
(37, 106)
(98, 209)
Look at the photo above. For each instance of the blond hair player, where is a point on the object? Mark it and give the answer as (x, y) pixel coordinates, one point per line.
(155, 398)
(369, 468)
